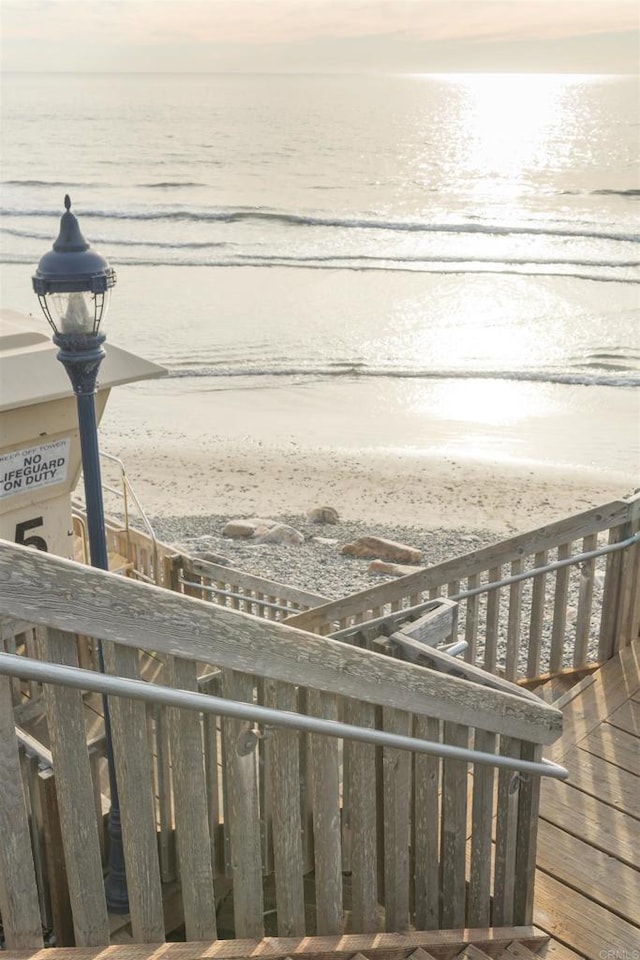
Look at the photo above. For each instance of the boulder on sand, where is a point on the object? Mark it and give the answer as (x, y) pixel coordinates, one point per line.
(392, 569)
(323, 515)
(380, 549)
(281, 533)
(263, 531)
(243, 529)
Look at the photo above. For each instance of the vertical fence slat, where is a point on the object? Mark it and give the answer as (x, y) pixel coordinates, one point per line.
(427, 828)
(627, 626)
(75, 798)
(506, 837)
(192, 824)
(242, 812)
(585, 603)
(137, 809)
(30, 776)
(283, 745)
(471, 619)
(306, 797)
(57, 869)
(526, 839)
(165, 794)
(454, 830)
(493, 620)
(608, 617)
(513, 623)
(396, 774)
(559, 625)
(211, 761)
(18, 892)
(325, 785)
(536, 620)
(362, 813)
(479, 912)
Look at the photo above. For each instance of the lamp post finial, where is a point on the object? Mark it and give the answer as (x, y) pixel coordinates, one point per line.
(67, 201)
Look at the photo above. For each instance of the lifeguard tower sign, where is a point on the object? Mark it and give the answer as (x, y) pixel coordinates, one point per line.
(26, 470)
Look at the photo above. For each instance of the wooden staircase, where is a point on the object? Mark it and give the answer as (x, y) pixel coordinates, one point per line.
(507, 943)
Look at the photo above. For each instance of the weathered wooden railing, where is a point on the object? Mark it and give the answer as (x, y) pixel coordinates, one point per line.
(237, 589)
(563, 616)
(384, 837)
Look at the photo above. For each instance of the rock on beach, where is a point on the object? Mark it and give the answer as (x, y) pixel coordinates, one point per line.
(379, 548)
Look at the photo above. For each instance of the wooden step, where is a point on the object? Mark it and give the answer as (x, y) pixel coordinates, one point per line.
(479, 944)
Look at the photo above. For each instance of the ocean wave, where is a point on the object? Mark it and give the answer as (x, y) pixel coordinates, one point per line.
(334, 260)
(439, 265)
(124, 242)
(258, 214)
(585, 377)
(617, 193)
(178, 184)
(46, 183)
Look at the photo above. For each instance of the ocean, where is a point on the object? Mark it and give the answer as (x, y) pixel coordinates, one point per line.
(316, 249)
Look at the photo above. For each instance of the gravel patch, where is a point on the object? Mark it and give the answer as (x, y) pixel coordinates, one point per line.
(316, 565)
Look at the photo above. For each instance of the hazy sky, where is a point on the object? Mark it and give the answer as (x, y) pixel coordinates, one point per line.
(582, 36)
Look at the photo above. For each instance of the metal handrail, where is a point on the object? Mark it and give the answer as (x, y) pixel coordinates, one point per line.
(126, 491)
(127, 488)
(548, 568)
(30, 669)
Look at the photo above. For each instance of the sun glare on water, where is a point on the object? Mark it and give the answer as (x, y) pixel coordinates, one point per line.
(508, 127)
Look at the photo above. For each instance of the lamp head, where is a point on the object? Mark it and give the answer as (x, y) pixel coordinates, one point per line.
(73, 282)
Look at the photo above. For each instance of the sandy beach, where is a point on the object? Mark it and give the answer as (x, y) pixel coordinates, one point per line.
(269, 453)
(247, 480)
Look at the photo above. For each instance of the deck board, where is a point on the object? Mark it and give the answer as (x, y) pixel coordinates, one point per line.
(592, 820)
(627, 717)
(598, 875)
(588, 876)
(584, 926)
(610, 782)
(615, 746)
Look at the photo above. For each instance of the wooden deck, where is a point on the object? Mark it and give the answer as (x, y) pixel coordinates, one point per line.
(588, 878)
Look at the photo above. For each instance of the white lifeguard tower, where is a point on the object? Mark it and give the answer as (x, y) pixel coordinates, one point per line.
(40, 458)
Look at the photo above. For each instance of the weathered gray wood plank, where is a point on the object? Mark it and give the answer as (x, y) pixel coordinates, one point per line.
(325, 785)
(396, 779)
(585, 603)
(242, 809)
(363, 820)
(137, 813)
(19, 904)
(513, 623)
(454, 831)
(427, 828)
(558, 627)
(36, 586)
(191, 813)
(526, 838)
(75, 798)
(284, 785)
(479, 913)
(492, 622)
(506, 837)
(536, 620)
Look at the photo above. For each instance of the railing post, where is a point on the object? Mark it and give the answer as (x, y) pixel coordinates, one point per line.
(621, 603)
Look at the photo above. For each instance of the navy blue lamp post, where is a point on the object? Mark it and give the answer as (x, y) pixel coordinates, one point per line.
(73, 284)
